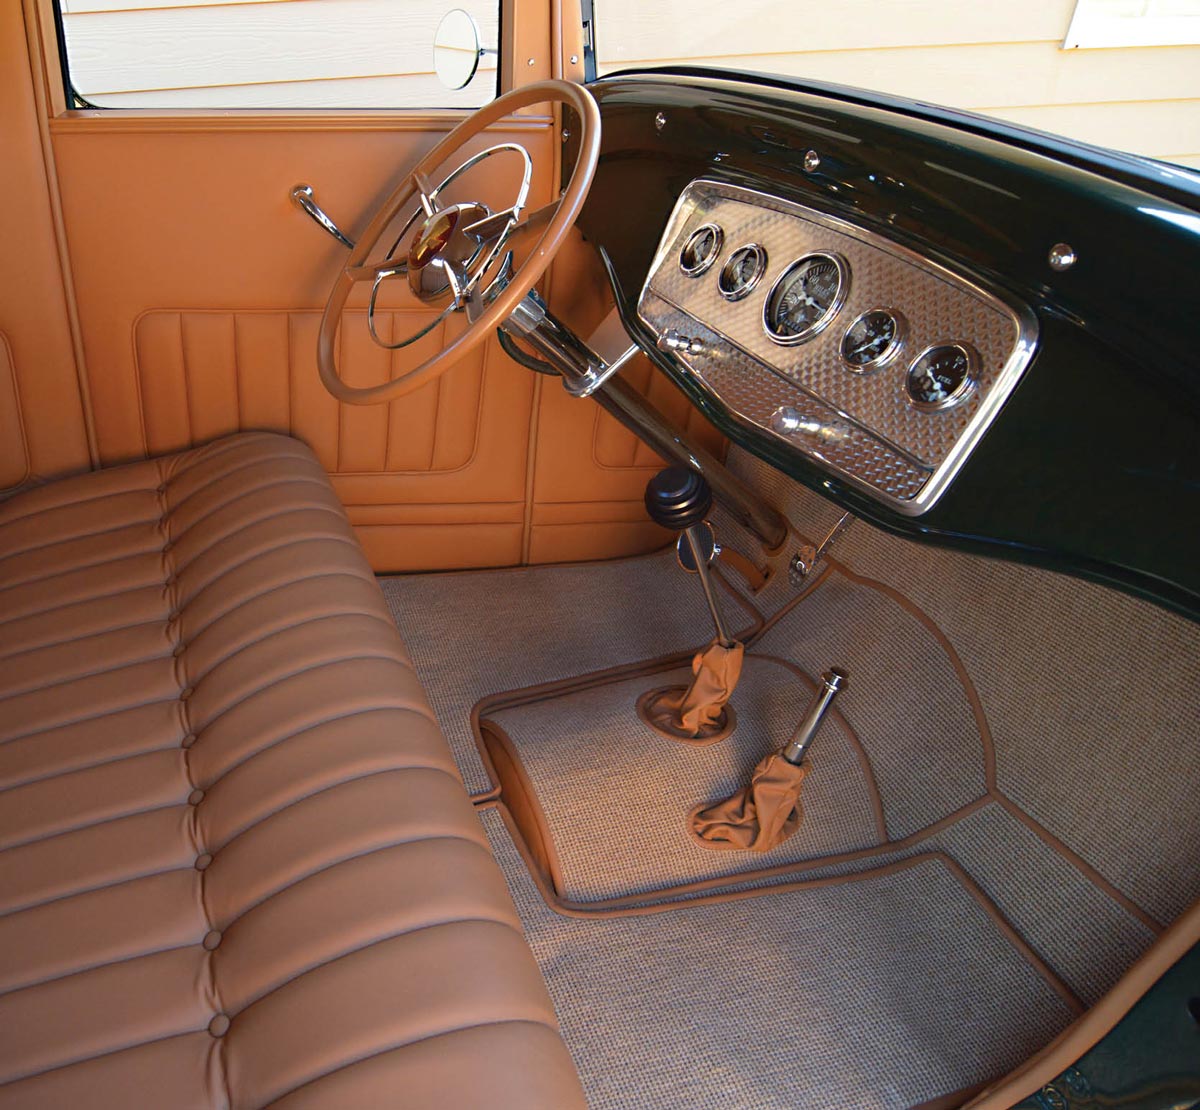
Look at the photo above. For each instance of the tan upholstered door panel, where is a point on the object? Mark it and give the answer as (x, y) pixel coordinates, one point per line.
(435, 479)
(42, 430)
(200, 289)
(207, 374)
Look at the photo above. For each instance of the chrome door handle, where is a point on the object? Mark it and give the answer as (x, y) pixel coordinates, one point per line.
(303, 196)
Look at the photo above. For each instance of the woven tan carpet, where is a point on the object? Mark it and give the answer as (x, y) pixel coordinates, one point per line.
(881, 992)
(479, 632)
(616, 794)
(1091, 694)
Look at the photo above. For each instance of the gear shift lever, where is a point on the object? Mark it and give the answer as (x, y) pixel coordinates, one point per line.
(679, 499)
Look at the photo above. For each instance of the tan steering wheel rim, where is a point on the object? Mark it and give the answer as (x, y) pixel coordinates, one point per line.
(530, 272)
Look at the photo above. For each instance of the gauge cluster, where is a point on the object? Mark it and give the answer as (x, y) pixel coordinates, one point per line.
(876, 362)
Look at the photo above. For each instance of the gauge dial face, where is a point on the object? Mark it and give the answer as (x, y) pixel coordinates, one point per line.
(941, 377)
(806, 298)
(742, 272)
(872, 339)
(701, 250)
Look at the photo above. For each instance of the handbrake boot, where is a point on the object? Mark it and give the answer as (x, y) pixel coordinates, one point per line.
(760, 816)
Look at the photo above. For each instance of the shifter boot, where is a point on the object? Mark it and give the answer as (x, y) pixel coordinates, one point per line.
(698, 712)
(758, 817)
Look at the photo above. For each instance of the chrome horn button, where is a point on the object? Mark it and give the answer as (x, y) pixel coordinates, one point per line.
(444, 243)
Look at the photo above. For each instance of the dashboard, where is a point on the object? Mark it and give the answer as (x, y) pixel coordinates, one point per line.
(877, 364)
(961, 331)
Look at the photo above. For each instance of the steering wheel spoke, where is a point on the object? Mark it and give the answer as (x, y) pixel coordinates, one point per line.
(425, 194)
(376, 272)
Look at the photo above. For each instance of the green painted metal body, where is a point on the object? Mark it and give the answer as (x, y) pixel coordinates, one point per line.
(1149, 1061)
(1093, 466)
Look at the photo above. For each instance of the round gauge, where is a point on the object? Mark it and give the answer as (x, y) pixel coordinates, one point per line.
(806, 298)
(701, 250)
(742, 272)
(941, 376)
(873, 339)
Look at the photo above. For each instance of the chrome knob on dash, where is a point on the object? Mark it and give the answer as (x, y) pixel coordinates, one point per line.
(671, 340)
(788, 421)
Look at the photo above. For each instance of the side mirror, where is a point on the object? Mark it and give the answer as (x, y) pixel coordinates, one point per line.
(457, 49)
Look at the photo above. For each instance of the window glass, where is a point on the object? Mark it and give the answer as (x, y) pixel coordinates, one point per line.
(1086, 70)
(269, 53)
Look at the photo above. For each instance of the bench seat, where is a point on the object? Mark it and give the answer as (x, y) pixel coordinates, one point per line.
(237, 864)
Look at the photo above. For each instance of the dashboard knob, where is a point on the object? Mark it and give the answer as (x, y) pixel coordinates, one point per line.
(785, 420)
(671, 340)
(789, 421)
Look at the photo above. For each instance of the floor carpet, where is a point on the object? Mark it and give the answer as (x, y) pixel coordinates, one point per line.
(474, 633)
(883, 991)
(994, 716)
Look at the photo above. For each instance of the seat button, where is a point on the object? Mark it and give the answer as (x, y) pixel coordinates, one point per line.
(188, 740)
(211, 940)
(179, 650)
(219, 1025)
(196, 797)
(162, 488)
(202, 861)
(167, 547)
(186, 693)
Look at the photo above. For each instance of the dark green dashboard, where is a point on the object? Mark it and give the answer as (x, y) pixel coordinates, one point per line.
(1092, 466)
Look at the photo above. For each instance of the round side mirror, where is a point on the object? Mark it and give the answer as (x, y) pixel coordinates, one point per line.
(456, 49)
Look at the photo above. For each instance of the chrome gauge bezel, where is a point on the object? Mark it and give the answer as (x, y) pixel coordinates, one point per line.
(965, 388)
(708, 263)
(829, 315)
(744, 288)
(888, 354)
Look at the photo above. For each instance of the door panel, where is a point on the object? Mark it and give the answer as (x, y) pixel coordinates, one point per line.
(42, 430)
(204, 321)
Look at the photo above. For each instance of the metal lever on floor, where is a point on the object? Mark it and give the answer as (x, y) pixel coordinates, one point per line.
(679, 499)
(767, 810)
(832, 681)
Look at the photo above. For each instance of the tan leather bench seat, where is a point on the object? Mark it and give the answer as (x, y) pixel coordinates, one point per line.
(237, 865)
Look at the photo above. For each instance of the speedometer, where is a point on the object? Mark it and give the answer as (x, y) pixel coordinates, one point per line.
(806, 298)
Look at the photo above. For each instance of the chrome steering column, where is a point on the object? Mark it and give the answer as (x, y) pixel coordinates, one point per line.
(586, 373)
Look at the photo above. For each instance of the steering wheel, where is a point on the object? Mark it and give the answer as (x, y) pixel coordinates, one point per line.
(461, 251)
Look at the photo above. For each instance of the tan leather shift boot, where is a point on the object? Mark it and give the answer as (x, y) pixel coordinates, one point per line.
(697, 712)
(758, 817)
